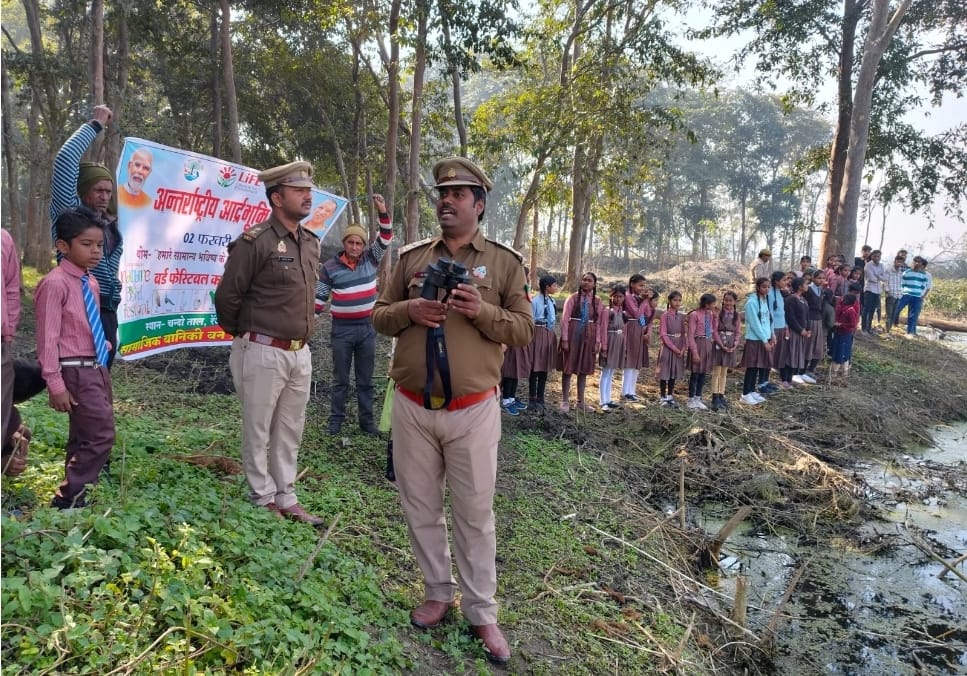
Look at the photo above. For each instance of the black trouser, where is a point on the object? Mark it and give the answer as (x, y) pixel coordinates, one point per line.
(696, 382)
(871, 306)
(508, 388)
(537, 383)
(751, 376)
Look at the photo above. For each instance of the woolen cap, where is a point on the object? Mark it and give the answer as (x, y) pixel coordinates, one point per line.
(90, 173)
(357, 230)
(459, 171)
(765, 252)
(295, 175)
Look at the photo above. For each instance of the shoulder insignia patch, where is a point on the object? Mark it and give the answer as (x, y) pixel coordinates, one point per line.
(415, 245)
(517, 253)
(253, 233)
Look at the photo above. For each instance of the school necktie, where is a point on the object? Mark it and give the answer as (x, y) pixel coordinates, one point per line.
(584, 310)
(94, 319)
(708, 326)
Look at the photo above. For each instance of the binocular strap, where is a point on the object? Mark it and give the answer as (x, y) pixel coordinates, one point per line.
(436, 358)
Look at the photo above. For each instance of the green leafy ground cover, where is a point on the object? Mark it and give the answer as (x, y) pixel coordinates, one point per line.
(171, 570)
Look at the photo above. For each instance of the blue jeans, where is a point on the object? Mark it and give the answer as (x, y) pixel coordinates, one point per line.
(352, 343)
(913, 304)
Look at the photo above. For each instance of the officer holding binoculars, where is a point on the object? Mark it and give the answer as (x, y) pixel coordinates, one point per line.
(453, 300)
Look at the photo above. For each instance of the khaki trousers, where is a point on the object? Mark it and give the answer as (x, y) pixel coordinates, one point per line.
(273, 386)
(459, 448)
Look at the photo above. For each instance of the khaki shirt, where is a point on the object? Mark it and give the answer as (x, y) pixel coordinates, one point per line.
(473, 345)
(269, 282)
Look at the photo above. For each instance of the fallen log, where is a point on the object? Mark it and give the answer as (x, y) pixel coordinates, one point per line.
(943, 324)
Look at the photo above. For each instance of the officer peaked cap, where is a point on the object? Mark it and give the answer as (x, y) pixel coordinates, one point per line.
(295, 175)
(453, 171)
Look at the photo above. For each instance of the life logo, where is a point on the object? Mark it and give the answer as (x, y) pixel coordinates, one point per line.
(192, 170)
(227, 177)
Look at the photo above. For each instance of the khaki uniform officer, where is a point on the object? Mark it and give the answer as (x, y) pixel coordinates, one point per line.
(265, 300)
(458, 443)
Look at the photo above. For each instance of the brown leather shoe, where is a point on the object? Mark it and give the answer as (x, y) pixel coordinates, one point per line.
(297, 513)
(430, 614)
(274, 508)
(494, 643)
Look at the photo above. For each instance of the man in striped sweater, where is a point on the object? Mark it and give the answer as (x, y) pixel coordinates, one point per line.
(349, 279)
(915, 285)
(75, 183)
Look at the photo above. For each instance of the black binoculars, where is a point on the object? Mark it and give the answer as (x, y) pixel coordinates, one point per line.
(444, 274)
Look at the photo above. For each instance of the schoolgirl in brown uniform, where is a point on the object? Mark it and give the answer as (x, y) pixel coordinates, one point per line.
(583, 332)
(701, 327)
(797, 320)
(671, 356)
(637, 334)
(544, 346)
(725, 354)
(613, 354)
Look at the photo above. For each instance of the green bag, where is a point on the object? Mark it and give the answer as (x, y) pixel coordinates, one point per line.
(386, 416)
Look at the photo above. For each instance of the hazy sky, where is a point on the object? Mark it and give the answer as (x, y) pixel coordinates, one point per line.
(903, 230)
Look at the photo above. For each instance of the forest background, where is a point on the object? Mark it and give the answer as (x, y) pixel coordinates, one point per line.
(612, 141)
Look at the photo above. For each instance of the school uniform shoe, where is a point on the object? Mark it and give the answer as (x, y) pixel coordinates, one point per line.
(494, 643)
(565, 406)
(785, 385)
(695, 404)
(808, 379)
(758, 397)
(750, 399)
(519, 405)
(610, 406)
(798, 380)
(768, 388)
(669, 401)
(297, 513)
(630, 397)
(509, 408)
(430, 614)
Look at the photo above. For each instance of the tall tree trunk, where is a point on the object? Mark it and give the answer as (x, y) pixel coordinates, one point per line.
(454, 69)
(393, 104)
(852, 10)
(535, 245)
(228, 70)
(337, 150)
(37, 248)
(743, 220)
(416, 132)
(882, 28)
(530, 200)
(216, 85)
(117, 88)
(96, 71)
(359, 132)
(12, 188)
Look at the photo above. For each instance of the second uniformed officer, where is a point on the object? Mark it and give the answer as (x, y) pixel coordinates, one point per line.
(446, 418)
(265, 300)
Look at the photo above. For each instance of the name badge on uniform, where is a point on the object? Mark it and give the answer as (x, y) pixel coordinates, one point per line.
(479, 272)
(282, 248)
(286, 259)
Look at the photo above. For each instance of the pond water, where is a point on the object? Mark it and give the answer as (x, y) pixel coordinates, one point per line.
(878, 607)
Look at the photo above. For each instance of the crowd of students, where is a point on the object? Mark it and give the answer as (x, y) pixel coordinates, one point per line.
(788, 324)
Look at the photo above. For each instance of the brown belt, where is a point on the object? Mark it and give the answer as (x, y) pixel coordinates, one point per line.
(290, 345)
(466, 401)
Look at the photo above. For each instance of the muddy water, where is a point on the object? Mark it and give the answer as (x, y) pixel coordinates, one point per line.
(877, 607)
